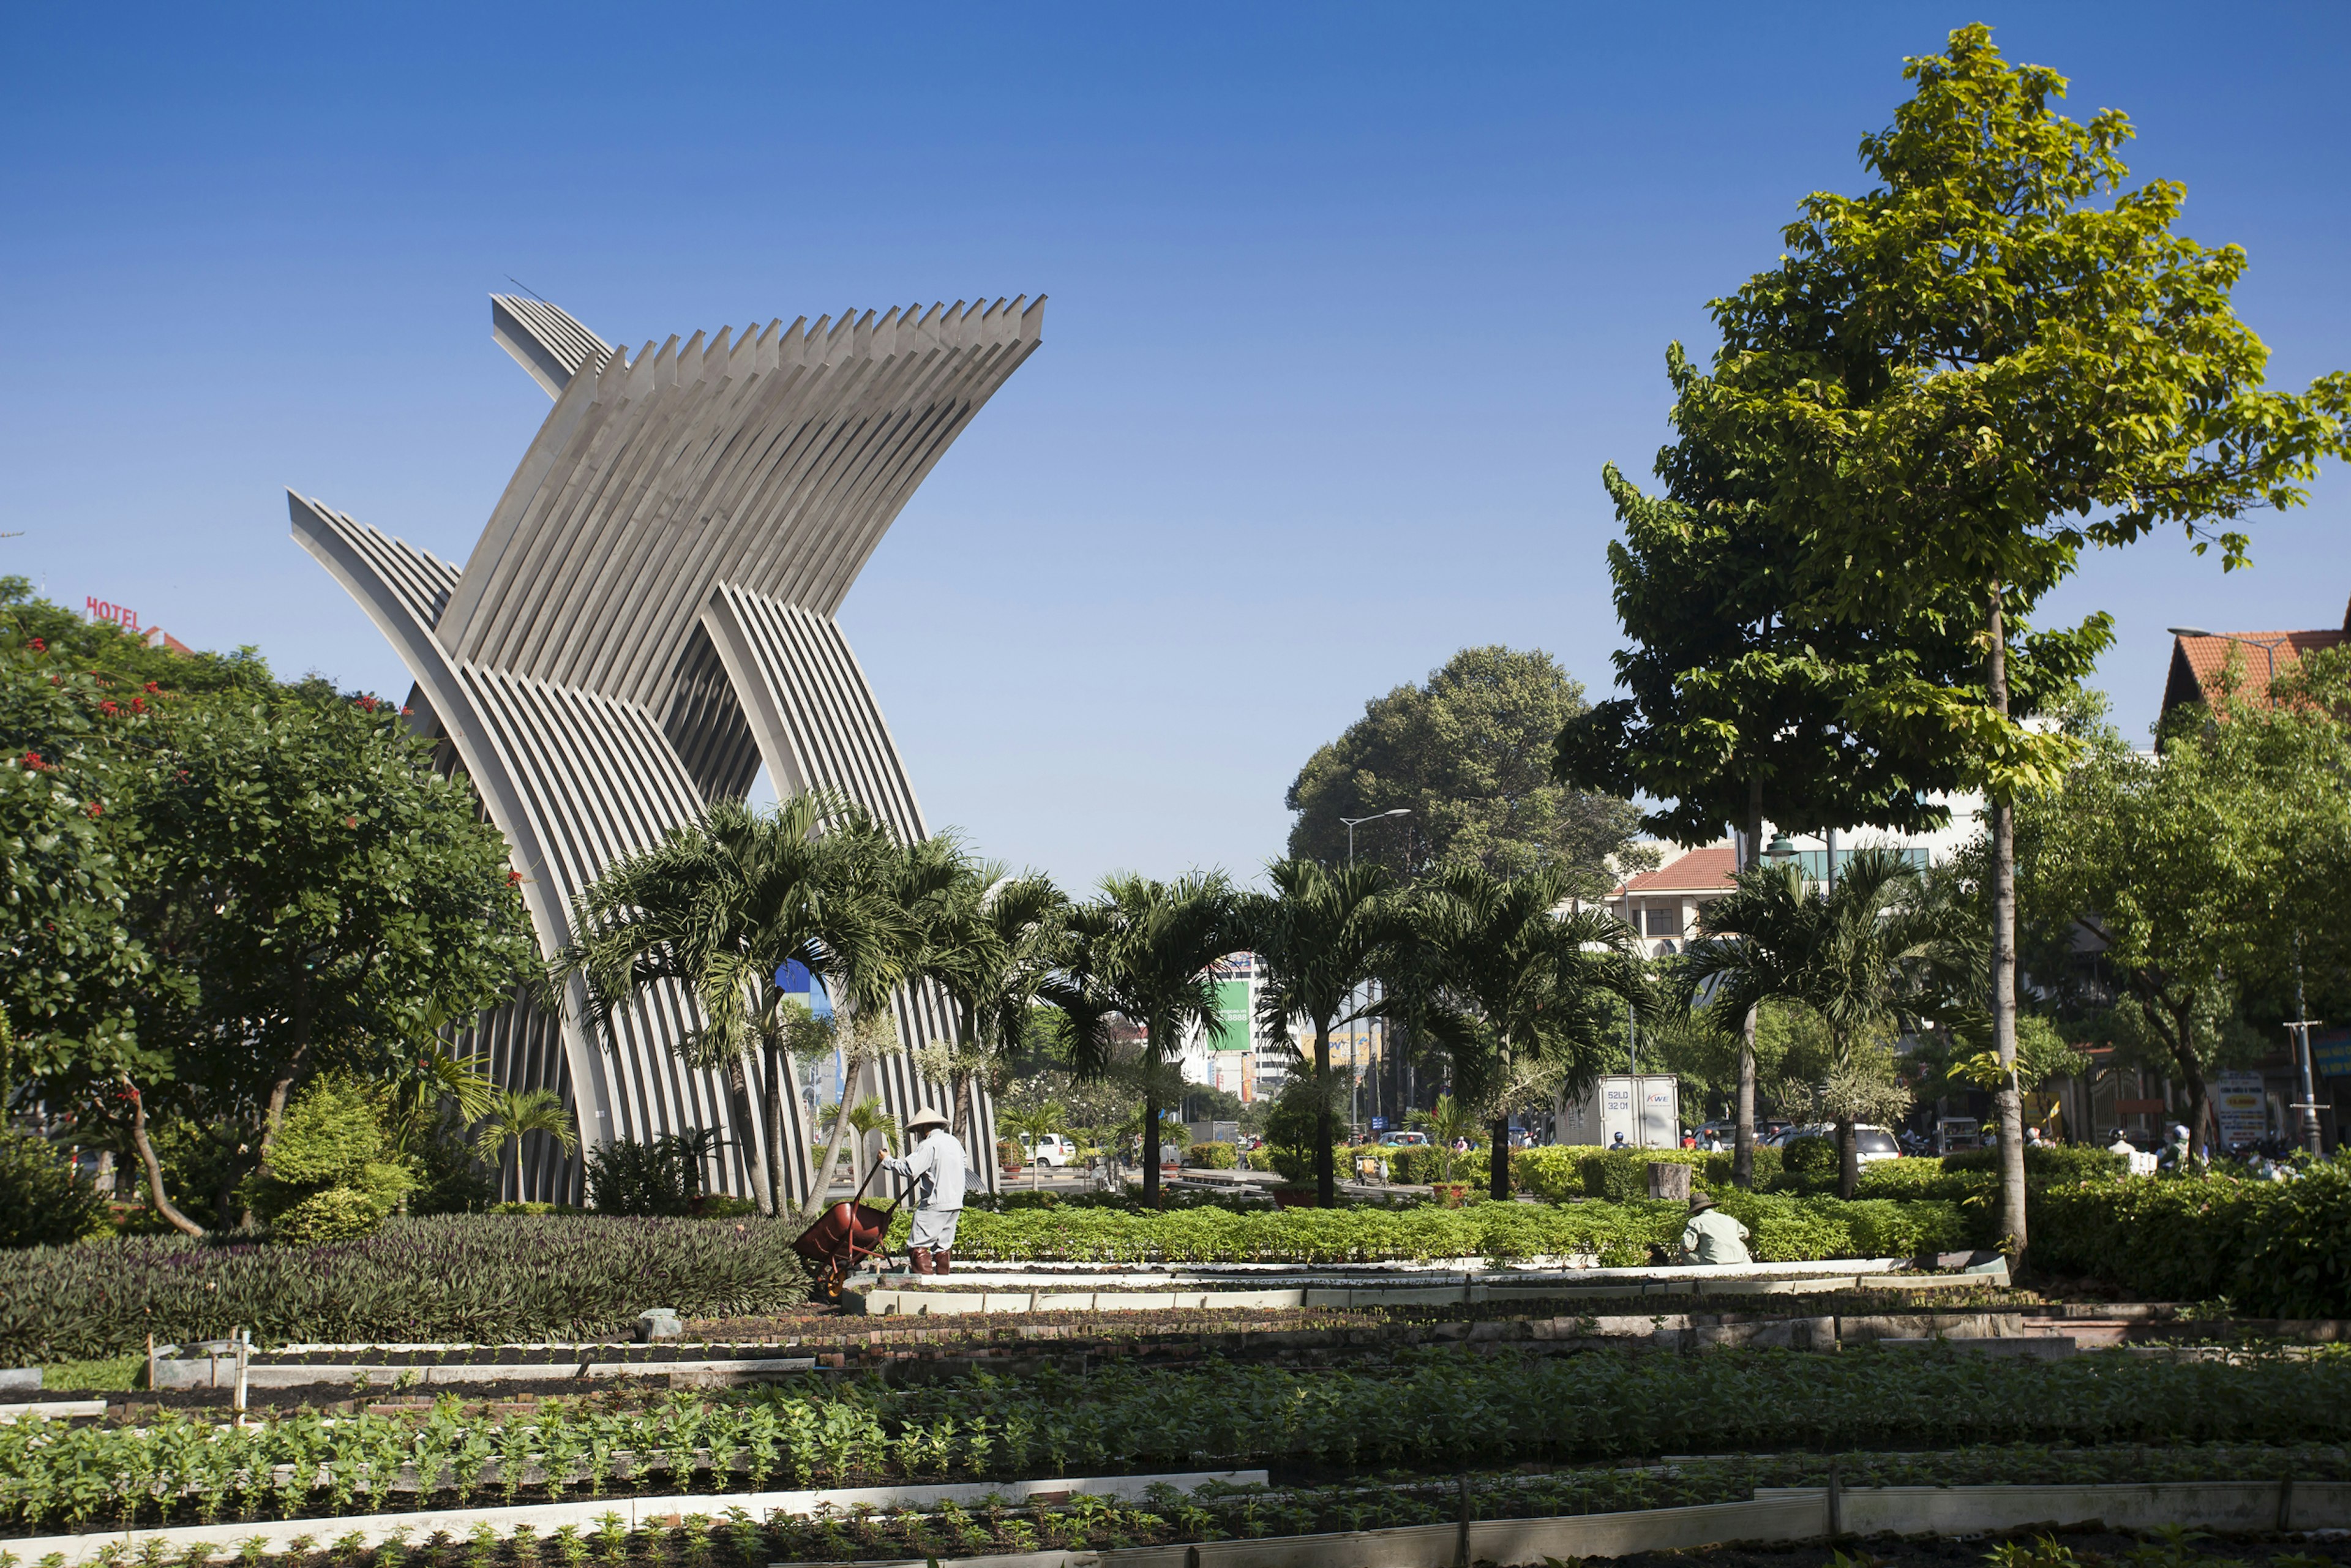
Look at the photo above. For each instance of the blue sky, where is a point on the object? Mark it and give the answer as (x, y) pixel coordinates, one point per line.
(1349, 305)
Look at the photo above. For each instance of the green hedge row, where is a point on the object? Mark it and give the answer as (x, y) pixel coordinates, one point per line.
(450, 1277)
(1786, 1230)
(2269, 1248)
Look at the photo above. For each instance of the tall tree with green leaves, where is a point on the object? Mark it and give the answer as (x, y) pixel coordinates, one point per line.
(1322, 936)
(1468, 755)
(1999, 355)
(1140, 950)
(1736, 714)
(1520, 990)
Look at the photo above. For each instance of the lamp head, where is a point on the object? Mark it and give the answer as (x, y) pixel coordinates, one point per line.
(1782, 848)
(2188, 631)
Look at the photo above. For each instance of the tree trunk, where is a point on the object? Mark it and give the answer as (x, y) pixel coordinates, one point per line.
(779, 1073)
(1151, 1129)
(820, 1196)
(1742, 1138)
(738, 1090)
(2010, 1098)
(1326, 1181)
(155, 1169)
(1498, 1160)
(1848, 1158)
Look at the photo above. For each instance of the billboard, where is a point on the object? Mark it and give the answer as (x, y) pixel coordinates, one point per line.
(1233, 1012)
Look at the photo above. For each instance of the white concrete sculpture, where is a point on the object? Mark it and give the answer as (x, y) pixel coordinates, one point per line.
(648, 618)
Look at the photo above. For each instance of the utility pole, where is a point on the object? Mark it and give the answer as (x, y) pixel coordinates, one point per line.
(2300, 1025)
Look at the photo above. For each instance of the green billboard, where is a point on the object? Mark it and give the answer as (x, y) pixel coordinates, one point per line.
(1233, 1012)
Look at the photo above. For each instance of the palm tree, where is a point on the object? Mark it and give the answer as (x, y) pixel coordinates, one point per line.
(1030, 1124)
(513, 1113)
(993, 944)
(1141, 950)
(719, 906)
(1518, 993)
(866, 1118)
(1851, 954)
(1321, 936)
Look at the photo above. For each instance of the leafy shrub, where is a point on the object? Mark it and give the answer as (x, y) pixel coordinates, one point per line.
(2046, 1165)
(1812, 1156)
(1423, 1165)
(449, 1180)
(44, 1200)
(625, 1176)
(2271, 1248)
(453, 1277)
(1805, 1230)
(1211, 1156)
(1623, 1174)
(337, 1214)
(1925, 1178)
(331, 1140)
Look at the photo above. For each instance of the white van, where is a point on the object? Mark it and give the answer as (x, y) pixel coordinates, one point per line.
(1053, 1151)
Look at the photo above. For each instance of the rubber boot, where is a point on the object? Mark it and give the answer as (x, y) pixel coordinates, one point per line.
(940, 1260)
(918, 1260)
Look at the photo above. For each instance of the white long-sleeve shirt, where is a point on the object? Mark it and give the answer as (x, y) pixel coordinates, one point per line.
(937, 1166)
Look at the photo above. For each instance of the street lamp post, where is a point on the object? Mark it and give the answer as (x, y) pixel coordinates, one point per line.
(1354, 1034)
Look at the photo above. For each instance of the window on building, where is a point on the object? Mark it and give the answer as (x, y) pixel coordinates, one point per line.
(1661, 921)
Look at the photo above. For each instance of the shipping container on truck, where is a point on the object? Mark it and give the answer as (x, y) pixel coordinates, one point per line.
(1646, 1107)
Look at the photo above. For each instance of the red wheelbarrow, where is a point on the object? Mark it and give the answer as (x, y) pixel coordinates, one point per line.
(843, 1235)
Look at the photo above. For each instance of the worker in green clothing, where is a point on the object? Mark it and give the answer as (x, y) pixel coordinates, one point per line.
(1712, 1236)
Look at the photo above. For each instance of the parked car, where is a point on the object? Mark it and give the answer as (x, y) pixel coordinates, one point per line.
(1053, 1151)
(1874, 1144)
(1405, 1139)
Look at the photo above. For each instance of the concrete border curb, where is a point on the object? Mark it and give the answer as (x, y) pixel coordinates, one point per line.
(638, 1512)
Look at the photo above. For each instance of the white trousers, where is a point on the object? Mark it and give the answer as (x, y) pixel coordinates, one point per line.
(934, 1229)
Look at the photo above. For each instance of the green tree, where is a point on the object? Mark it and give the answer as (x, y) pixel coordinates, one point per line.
(2206, 872)
(1468, 754)
(1736, 712)
(1141, 950)
(1321, 935)
(1030, 1123)
(719, 906)
(993, 943)
(1522, 996)
(1448, 1122)
(1999, 355)
(515, 1113)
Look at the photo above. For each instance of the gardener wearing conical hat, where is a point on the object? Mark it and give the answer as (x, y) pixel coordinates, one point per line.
(1712, 1236)
(935, 1164)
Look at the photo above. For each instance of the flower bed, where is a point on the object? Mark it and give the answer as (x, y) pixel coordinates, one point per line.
(452, 1277)
(1440, 1411)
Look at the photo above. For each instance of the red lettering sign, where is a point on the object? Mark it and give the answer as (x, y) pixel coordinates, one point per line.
(122, 615)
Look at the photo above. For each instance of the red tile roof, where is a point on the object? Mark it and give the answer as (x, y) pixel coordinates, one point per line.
(2197, 662)
(1710, 869)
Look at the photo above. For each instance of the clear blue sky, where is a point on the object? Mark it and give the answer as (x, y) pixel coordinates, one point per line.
(1349, 305)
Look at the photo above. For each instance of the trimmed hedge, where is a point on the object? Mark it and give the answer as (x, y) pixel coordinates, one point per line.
(1555, 1172)
(2046, 1163)
(2269, 1248)
(450, 1277)
(1211, 1156)
(1786, 1230)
